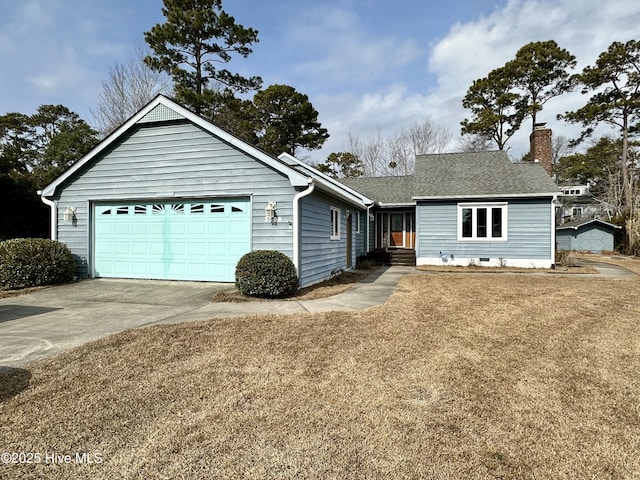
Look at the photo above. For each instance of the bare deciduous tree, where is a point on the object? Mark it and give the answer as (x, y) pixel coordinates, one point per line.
(475, 143)
(396, 154)
(130, 86)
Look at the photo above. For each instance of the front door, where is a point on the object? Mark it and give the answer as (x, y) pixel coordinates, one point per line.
(397, 229)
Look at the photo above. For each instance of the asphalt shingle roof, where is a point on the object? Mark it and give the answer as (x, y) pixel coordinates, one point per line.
(459, 175)
(383, 189)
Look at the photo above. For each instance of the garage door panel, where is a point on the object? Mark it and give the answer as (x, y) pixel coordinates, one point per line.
(121, 228)
(121, 249)
(217, 226)
(199, 240)
(197, 228)
(139, 228)
(237, 227)
(237, 250)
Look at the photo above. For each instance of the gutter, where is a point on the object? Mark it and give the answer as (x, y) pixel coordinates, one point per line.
(54, 214)
(297, 221)
(487, 195)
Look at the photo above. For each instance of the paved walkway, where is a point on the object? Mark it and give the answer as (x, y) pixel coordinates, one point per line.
(607, 269)
(374, 290)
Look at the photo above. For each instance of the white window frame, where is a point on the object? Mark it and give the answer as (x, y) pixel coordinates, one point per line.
(358, 220)
(474, 222)
(334, 224)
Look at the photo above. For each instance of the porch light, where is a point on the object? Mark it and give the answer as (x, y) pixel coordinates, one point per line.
(69, 214)
(270, 213)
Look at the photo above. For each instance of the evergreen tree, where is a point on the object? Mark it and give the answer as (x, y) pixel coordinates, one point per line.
(197, 38)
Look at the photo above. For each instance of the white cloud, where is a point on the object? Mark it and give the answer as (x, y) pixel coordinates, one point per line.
(470, 51)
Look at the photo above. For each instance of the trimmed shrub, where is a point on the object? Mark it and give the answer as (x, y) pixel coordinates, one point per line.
(266, 274)
(31, 262)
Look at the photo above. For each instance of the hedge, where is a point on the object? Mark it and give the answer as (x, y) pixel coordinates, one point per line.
(32, 262)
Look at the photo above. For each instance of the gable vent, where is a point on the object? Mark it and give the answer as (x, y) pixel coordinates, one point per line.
(160, 113)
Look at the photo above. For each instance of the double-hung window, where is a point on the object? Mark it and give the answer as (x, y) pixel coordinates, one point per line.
(335, 224)
(482, 221)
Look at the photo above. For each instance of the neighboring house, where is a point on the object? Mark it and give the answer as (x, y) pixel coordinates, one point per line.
(171, 196)
(579, 204)
(466, 208)
(591, 235)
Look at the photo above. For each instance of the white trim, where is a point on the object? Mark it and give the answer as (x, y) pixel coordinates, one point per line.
(297, 222)
(553, 230)
(358, 219)
(330, 184)
(487, 195)
(334, 224)
(504, 206)
(396, 205)
(493, 262)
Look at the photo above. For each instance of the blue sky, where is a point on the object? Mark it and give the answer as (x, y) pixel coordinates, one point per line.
(367, 65)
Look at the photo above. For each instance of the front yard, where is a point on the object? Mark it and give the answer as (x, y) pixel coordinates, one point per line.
(457, 376)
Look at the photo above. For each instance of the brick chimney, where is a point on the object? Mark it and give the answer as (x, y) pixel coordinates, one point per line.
(541, 147)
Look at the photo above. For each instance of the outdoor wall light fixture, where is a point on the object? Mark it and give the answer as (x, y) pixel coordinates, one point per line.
(270, 213)
(69, 214)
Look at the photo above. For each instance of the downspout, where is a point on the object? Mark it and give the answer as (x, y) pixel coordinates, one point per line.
(554, 207)
(54, 215)
(297, 221)
(369, 207)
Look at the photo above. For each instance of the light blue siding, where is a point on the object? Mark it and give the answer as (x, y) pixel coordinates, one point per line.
(529, 232)
(563, 239)
(592, 238)
(319, 255)
(361, 236)
(174, 161)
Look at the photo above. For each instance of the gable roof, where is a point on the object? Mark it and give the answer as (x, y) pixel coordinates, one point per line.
(479, 174)
(577, 224)
(459, 175)
(162, 108)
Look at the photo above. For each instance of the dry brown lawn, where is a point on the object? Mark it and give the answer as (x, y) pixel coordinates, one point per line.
(455, 377)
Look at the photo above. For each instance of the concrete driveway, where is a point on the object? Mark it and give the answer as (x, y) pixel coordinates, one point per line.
(49, 321)
(42, 323)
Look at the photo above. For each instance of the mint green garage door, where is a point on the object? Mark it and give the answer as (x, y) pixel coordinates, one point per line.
(194, 240)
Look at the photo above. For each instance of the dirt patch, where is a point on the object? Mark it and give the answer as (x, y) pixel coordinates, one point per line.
(6, 293)
(578, 269)
(333, 286)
